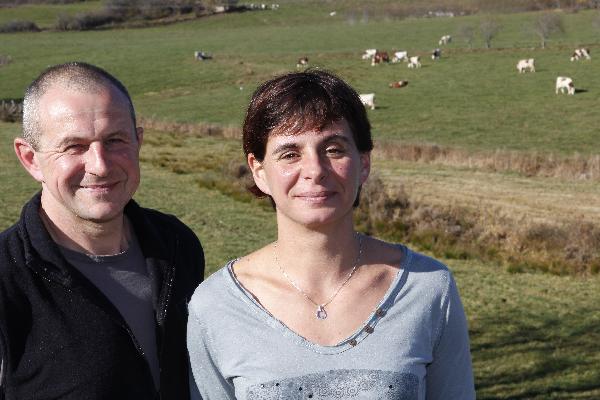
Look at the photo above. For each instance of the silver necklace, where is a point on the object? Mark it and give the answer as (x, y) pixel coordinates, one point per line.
(320, 313)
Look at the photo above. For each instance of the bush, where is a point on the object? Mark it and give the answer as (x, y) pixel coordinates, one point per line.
(11, 110)
(5, 59)
(19, 26)
(86, 21)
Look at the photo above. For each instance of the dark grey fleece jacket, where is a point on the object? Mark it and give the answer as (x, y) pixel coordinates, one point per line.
(61, 338)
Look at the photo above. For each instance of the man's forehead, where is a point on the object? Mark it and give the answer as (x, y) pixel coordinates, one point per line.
(63, 101)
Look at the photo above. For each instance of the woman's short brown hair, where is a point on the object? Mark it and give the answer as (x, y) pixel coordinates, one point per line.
(302, 101)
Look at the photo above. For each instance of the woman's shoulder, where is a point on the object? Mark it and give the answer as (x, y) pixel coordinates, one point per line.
(211, 289)
(403, 257)
(421, 269)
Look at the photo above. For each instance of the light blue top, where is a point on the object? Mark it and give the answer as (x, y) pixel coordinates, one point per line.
(414, 346)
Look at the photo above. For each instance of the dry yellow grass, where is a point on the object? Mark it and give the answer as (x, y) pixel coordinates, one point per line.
(535, 199)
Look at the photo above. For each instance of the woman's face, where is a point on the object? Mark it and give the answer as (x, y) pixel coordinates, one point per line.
(313, 176)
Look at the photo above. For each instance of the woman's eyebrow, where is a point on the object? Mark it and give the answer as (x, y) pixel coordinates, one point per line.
(337, 136)
(284, 147)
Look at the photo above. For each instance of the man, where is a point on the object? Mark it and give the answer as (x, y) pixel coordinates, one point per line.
(93, 288)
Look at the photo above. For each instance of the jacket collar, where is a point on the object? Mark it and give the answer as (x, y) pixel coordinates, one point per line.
(43, 254)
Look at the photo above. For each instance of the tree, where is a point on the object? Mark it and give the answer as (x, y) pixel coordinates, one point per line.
(547, 24)
(489, 28)
(467, 33)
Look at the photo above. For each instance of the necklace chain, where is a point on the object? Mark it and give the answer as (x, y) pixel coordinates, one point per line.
(321, 313)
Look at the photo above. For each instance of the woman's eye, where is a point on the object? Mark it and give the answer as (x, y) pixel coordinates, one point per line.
(335, 150)
(289, 156)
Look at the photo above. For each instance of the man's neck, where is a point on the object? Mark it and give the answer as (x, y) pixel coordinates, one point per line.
(97, 238)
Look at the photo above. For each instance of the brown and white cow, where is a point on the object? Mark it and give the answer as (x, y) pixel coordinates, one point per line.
(302, 62)
(565, 83)
(580, 54)
(380, 57)
(398, 84)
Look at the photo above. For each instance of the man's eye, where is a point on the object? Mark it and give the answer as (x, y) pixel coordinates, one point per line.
(115, 141)
(74, 148)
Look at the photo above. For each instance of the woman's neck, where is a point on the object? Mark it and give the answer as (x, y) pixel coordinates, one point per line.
(317, 257)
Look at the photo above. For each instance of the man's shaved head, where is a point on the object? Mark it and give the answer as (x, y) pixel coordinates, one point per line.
(75, 76)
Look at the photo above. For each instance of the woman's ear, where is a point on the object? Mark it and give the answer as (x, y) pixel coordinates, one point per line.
(258, 173)
(365, 166)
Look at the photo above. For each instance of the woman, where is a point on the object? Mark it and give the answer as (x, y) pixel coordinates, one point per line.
(324, 312)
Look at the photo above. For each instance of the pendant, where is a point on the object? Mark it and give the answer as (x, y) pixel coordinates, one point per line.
(321, 313)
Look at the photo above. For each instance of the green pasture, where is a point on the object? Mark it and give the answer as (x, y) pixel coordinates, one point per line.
(533, 336)
(45, 15)
(471, 98)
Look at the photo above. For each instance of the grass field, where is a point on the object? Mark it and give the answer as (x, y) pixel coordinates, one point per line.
(45, 15)
(470, 98)
(534, 336)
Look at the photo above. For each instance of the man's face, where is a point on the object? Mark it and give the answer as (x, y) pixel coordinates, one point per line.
(88, 156)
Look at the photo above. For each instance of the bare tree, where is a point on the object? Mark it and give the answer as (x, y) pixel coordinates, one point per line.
(467, 33)
(489, 28)
(547, 24)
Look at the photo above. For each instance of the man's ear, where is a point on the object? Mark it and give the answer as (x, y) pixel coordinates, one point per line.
(258, 173)
(28, 158)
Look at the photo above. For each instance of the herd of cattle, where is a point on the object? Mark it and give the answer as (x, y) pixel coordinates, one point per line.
(413, 62)
(563, 83)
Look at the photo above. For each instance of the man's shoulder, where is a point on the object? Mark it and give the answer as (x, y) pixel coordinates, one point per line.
(10, 242)
(164, 223)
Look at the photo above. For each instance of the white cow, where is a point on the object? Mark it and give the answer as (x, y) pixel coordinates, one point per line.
(565, 83)
(400, 56)
(527, 64)
(414, 62)
(368, 100)
(445, 39)
(369, 53)
(581, 53)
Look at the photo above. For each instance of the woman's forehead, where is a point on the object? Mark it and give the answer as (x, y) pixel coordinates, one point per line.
(338, 128)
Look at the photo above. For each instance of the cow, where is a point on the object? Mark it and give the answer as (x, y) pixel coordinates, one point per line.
(565, 83)
(369, 53)
(201, 56)
(400, 56)
(436, 54)
(368, 100)
(445, 40)
(379, 57)
(302, 62)
(581, 53)
(527, 64)
(398, 84)
(414, 62)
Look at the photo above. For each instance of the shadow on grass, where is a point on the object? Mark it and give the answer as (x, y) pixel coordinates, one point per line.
(536, 356)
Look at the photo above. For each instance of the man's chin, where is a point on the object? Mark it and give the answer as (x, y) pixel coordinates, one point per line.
(101, 215)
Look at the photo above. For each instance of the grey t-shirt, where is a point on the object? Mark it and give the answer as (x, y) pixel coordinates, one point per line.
(124, 280)
(414, 346)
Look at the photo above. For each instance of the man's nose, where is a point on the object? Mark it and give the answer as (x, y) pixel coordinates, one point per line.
(96, 161)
